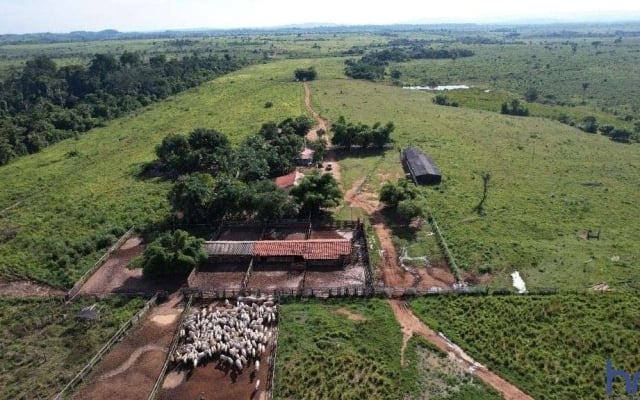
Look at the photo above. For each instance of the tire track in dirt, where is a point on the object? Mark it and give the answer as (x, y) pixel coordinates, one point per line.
(131, 360)
(411, 325)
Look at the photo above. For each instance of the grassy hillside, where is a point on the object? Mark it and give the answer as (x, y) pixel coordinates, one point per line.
(43, 346)
(549, 182)
(72, 198)
(553, 347)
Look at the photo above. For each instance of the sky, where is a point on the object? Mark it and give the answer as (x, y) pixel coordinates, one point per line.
(27, 16)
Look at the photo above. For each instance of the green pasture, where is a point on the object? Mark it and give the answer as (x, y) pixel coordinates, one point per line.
(68, 205)
(325, 354)
(43, 346)
(550, 66)
(549, 183)
(552, 347)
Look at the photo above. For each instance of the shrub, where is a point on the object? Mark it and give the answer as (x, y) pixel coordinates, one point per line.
(173, 253)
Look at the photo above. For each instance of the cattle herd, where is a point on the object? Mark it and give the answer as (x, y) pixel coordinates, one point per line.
(235, 335)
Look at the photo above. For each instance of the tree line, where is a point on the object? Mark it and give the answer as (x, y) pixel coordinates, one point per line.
(44, 103)
(347, 134)
(372, 66)
(215, 181)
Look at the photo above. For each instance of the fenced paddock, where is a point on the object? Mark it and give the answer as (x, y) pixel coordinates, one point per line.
(80, 376)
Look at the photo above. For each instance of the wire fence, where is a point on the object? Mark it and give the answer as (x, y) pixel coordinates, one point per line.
(107, 346)
(172, 349)
(78, 285)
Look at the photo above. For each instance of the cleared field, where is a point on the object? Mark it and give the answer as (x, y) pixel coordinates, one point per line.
(552, 347)
(351, 350)
(43, 346)
(68, 209)
(549, 182)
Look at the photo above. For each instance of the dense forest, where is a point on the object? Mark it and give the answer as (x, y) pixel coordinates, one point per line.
(44, 103)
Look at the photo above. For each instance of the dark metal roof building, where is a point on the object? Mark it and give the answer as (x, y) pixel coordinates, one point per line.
(421, 167)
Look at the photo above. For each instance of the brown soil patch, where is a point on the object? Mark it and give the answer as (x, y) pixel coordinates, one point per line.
(174, 379)
(27, 288)
(350, 314)
(115, 277)
(164, 319)
(412, 325)
(131, 368)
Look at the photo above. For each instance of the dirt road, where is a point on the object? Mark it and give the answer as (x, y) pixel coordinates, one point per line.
(394, 275)
(312, 135)
(412, 325)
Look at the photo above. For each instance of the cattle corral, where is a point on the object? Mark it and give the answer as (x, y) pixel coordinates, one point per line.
(213, 377)
(284, 255)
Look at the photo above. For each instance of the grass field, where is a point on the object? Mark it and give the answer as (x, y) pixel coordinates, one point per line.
(351, 350)
(69, 205)
(43, 346)
(549, 182)
(550, 66)
(552, 347)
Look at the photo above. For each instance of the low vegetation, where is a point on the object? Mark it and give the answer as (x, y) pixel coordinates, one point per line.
(43, 345)
(550, 346)
(324, 354)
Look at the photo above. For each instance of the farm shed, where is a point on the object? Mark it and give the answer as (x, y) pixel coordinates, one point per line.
(290, 180)
(313, 252)
(305, 159)
(421, 167)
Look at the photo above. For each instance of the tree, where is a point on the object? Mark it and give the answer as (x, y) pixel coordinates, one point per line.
(316, 191)
(305, 74)
(129, 59)
(210, 151)
(271, 202)
(531, 95)
(171, 254)
(589, 124)
(514, 108)
(606, 129)
(173, 151)
(412, 208)
(393, 193)
(192, 195)
(621, 135)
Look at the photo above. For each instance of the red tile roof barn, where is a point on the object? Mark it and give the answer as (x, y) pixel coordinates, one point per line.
(313, 249)
(289, 180)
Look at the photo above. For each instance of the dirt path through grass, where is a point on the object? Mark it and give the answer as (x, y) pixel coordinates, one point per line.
(312, 135)
(411, 325)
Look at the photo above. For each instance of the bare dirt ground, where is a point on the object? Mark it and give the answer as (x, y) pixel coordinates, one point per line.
(412, 325)
(216, 279)
(352, 275)
(115, 277)
(273, 278)
(351, 315)
(27, 289)
(131, 368)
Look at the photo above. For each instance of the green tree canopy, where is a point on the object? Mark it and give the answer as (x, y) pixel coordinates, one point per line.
(315, 191)
(171, 254)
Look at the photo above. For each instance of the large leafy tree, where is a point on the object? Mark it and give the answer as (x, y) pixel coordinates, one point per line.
(174, 253)
(192, 195)
(393, 193)
(315, 191)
